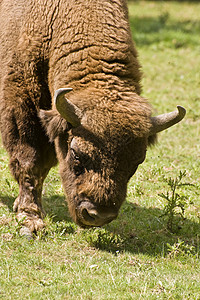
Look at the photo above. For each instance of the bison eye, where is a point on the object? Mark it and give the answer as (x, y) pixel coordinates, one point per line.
(75, 155)
(76, 163)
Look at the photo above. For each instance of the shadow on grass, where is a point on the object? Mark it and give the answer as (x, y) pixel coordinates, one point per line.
(55, 206)
(143, 230)
(136, 230)
(7, 201)
(147, 30)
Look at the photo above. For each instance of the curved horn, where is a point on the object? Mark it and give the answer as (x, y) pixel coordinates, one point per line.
(167, 120)
(69, 111)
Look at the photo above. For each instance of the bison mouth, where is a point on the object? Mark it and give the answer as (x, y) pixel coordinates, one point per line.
(91, 215)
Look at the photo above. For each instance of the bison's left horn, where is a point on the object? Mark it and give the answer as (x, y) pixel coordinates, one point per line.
(69, 111)
(167, 120)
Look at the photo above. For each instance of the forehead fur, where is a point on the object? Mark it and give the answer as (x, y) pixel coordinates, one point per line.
(112, 121)
(114, 113)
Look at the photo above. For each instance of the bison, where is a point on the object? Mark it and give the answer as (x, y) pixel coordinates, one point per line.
(70, 93)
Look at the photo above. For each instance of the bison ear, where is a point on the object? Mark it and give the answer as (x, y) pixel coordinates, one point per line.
(53, 123)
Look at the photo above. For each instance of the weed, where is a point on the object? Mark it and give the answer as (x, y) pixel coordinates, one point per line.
(104, 240)
(176, 203)
(182, 249)
(163, 18)
(57, 229)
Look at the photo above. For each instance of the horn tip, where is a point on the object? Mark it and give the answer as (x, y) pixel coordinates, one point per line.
(61, 91)
(182, 111)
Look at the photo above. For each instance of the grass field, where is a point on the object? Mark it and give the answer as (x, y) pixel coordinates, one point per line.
(136, 256)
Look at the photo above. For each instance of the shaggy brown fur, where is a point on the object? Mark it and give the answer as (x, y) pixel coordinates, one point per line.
(86, 45)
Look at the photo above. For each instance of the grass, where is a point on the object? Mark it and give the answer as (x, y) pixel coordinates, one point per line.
(136, 256)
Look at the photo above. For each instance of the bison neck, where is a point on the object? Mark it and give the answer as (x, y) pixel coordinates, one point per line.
(93, 46)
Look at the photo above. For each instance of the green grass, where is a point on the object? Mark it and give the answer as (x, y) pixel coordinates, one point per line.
(134, 257)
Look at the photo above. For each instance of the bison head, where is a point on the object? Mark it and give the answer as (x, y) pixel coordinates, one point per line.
(99, 145)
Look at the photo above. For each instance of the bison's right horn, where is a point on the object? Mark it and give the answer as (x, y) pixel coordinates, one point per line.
(167, 120)
(69, 111)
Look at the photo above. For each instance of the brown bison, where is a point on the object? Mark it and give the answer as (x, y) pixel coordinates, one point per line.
(99, 134)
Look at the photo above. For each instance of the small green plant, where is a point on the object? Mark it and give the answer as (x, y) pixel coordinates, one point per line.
(57, 229)
(176, 203)
(163, 18)
(104, 240)
(181, 249)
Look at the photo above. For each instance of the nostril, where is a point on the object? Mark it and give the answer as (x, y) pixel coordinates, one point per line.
(89, 215)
